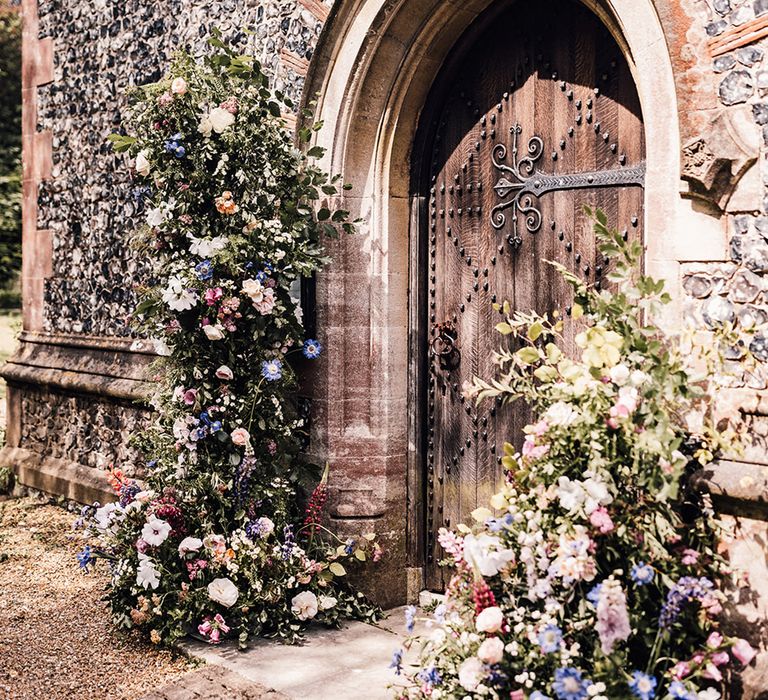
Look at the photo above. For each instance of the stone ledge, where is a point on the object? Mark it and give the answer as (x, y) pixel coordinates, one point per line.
(739, 488)
(57, 476)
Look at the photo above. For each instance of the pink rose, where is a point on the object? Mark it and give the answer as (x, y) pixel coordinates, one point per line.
(240, 436)
(179, 86)
(714, 640)
(190, 396)
(720, 658)
(743, 651)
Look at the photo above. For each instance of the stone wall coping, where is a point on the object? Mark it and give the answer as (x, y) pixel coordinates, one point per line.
(740, 487)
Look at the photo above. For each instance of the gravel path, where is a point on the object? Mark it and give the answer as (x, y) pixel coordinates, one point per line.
(56, 637)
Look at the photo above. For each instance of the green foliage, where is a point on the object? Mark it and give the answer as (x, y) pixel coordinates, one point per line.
(10, 145)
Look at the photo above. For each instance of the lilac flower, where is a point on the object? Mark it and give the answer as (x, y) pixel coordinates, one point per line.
(410, 618)
(312, 349)
(570, 685)
(612, 617)
(642, 574)
(686, 589)
(643, 686)
(288, 536)
(271, 370)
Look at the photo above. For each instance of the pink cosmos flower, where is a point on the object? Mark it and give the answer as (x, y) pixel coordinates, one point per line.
(212, 295)
(743, 651)
(690, 557)
(600, 519)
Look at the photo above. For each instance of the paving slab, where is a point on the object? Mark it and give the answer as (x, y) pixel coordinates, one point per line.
(351, 663)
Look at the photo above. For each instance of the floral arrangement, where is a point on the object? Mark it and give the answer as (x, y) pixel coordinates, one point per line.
(595, 574)
(213, 540)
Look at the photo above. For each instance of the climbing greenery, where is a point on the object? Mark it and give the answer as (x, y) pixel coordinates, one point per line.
(213, 541)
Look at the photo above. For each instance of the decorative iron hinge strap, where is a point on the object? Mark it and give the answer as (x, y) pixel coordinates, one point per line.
(525, 183)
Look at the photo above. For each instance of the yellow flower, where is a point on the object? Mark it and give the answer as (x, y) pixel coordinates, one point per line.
(499, 501)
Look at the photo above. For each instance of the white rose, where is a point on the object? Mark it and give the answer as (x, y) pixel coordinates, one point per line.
(471, 672)
(223, 591)
(221, 119)
(486, 554)
(213, 332)
(491, 651)
(326, 602)
(490, 620)
(205, 127)
(155, 217)
(142, 163)
(254, 290)
(638, 378)
(619, 374)
(304, 605)
(155, 531)
(560, 413)
(179, 86)
(189, 544)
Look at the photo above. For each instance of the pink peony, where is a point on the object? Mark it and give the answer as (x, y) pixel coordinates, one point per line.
(743, 651)
(600, 519)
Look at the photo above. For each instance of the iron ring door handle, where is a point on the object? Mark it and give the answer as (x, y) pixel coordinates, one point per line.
(443, 346)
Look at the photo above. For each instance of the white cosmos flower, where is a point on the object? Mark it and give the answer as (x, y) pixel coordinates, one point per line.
(304, 605)
(147, 575)
(486, 553)
(142, 164)
(220, 119)
(326, 602)
(207, 247)
(155, 531)
(189, 544)
(223, 591)
(178, 296)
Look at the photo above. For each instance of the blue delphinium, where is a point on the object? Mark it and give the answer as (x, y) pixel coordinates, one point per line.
(397, 661)
(204, 270)
(86, 558)
(271, 370)
(678, 691)
(550, 638)
(312, 349)
(642, 574)
(642, 685)
(431, 676)
(173, 145)
(594, 594)
(570, 685)
(410, 618)
(686, 589)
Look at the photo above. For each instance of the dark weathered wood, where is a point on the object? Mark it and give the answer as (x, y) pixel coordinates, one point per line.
(554, 70)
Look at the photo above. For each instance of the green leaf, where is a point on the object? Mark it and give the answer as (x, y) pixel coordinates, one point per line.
(324, 214)
(528, 355)
(535, 330)
(504, 328)
(337, 569)
(316, 152)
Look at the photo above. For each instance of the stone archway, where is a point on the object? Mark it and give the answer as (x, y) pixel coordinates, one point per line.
(371, 74)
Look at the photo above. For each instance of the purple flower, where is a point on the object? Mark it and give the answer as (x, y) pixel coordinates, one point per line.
(549, 639)
(686, 589)
(204, 270)
(312, 349)
(642, 574)
(410, 618)
(271, 370)
(643, 686)
(397, 661)
(85, 558)
(570, 685)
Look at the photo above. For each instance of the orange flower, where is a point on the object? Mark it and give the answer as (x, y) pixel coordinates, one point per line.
(225, 204)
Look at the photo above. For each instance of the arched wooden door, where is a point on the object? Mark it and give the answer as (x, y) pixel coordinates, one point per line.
(534, 115)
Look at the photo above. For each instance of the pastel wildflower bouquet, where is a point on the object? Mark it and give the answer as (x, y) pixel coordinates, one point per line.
(594, 573)
(215, 540)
